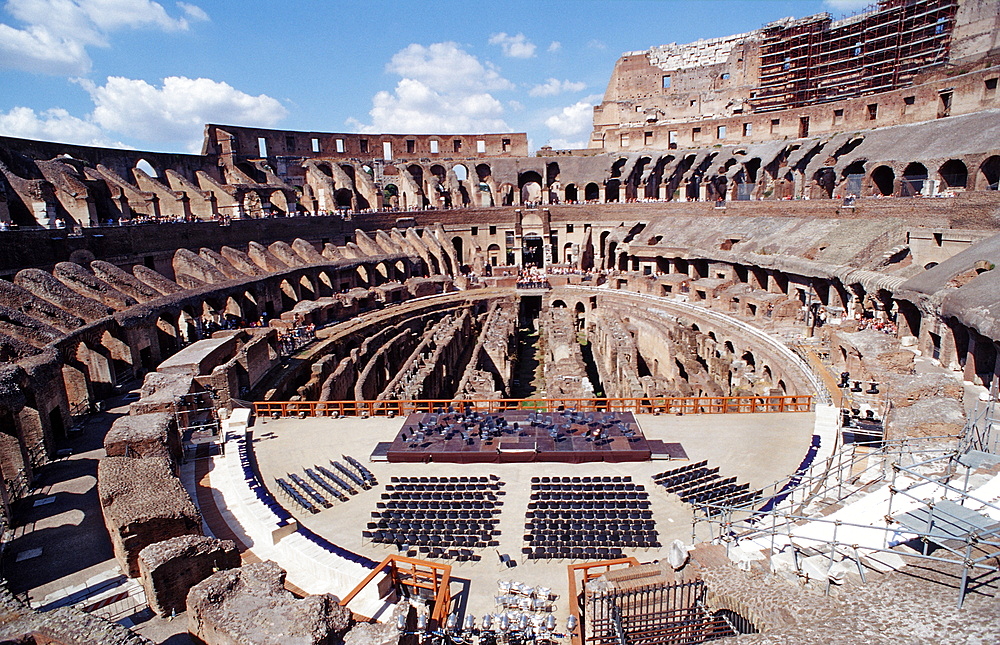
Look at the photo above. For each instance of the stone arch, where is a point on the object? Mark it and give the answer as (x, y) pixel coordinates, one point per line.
(147, 168)
(989, 173)
(591, 192)
(611, 190)
(363, 275)
(954, 174)
(748, 358)
(306, 288)
(167, 335)
(324, 284)
(884, 179)
(456, 242)
(529, 184)
(493, 254)
(288, 295)
(558, 304)
(188, 326)
(506, 191)
(914, 177)
(571, 193)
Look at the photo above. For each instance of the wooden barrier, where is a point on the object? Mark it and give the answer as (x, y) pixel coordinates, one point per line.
(651, 405)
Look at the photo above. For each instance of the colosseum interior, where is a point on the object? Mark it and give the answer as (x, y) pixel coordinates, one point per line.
(728, 373)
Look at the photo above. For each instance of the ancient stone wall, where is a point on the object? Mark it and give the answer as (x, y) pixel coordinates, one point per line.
(169, 569)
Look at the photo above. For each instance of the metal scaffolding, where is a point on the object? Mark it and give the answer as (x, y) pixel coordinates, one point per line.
(816, 60)
(930, 507)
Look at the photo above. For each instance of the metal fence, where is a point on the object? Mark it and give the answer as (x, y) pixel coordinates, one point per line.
(672, 614)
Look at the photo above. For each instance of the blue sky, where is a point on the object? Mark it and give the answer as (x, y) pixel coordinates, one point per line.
(149, 75)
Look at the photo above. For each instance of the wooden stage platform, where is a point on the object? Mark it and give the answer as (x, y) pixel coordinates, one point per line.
(524, 436)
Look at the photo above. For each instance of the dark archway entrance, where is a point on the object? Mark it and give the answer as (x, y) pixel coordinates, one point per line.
(531, 251)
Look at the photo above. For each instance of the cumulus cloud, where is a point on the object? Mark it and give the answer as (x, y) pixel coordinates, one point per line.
(514, 46)
(446, 67)
(172, 116)
(443, 89)
(554, 86)
(573, 119)
(176, 111)
(53, 125)
(555, 46)
(566, 144)
(56, 33)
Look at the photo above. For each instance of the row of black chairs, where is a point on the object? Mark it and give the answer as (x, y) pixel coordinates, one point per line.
(612, 496)
(436, 505)
(443, 487)
(296, 496)
(658, 477)
(582, 506)
(405, 541)
(640, 540)
(599, 487)
(447, 480)
(362, 470)
(475, 527)
(567, 552)
(598, 525)
(441, 495)
(435, 514)
(581, 480)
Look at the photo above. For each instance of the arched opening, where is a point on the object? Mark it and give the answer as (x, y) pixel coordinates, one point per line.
(826, 179)
(552, 180)
(914, 176)
(506, 194)
(591, 192)
(484, 176)
(461, 172)
(166, 335)
(189, 327)
(147, 168)
(363, 276)
(571, 195)
(457, 243)
(493, 253)
(604, 241)
(530, 185)
(729, 347)
(531, 251)
(306, 288)
(748, 358)
(390, 196)
(990, 171)
(288, 296)
(568, 255)
(853, 175)
(611, 190)
(883, 178)
(954, 174)
(558, 304)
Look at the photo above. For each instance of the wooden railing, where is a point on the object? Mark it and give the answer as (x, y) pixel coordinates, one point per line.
(651, 405)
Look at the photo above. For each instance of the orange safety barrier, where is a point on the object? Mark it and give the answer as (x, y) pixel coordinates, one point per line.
(421, 576)
(590, 570)
(650, 405)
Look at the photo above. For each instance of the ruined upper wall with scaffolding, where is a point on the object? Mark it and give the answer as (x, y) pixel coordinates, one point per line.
(796, 63)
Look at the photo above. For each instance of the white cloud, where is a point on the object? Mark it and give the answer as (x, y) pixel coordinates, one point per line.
(555, 46)
(517, 106)
(596, 44)
(554, 86)
(53, 125)
(566, 144)
(192, 11)
(847, 5)
(443, 89)
(56, 33)
(573, 119)
(446, 67)
(514, 46)
(177, 111)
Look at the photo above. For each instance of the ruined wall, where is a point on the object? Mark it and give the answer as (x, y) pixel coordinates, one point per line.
(565, 371)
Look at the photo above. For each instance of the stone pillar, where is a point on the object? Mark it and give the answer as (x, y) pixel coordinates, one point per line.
(169, 569)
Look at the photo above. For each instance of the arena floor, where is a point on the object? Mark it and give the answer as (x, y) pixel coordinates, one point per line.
(757, 448)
